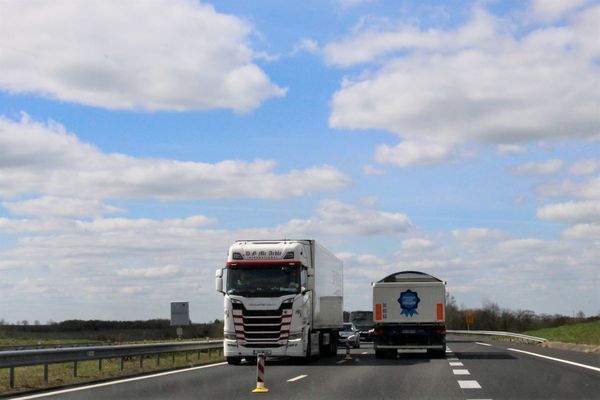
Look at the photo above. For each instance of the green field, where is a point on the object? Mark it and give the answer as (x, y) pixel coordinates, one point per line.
(582, 333)
(18, 341)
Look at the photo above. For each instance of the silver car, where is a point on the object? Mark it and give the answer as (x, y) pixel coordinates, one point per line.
(349, 334)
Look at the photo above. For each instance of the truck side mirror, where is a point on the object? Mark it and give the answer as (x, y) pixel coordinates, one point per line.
(219, 280)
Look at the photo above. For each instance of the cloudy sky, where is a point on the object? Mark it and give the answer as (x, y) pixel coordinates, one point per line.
(139, 139)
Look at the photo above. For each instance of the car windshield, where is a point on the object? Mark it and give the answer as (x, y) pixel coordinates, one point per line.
(263, 280)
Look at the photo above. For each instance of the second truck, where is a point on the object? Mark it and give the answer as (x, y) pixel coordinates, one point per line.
(409, 314)
(281, 298)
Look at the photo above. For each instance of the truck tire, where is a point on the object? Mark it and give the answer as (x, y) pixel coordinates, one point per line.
(234, 360)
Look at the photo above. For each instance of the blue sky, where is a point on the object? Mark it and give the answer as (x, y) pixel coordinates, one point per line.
(138, 140)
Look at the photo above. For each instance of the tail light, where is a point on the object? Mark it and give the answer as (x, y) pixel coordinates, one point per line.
(440, 331)
(378, 331)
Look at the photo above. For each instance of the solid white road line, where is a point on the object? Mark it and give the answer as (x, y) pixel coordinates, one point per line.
(297, 378)
(469, 385)
(484, 344)
(557, 359)
(456, 364)
(452, 359)
(137, 378)
(461, 372)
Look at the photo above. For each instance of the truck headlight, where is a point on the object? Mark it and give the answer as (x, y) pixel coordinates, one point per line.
(229, 336)
(295, 336)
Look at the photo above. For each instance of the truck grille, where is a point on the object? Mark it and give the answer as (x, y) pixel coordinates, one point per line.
(262, 328)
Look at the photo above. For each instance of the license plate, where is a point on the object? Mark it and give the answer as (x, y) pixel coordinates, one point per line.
(265, 352)
(409, 331)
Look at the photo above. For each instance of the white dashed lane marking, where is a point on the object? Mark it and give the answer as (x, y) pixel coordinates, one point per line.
(461, 372)
(456, 364)
(483, 344)
(469, 385)
(297, 378)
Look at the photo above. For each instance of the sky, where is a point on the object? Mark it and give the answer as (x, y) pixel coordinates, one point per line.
(139, 139)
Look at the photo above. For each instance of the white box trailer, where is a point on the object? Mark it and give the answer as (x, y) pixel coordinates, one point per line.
(409, 311)
(281, 298)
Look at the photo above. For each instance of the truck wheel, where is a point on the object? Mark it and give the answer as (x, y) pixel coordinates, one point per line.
(234, 360)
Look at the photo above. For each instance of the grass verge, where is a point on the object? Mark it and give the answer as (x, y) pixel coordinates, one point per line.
(32, 378)
(582, 333)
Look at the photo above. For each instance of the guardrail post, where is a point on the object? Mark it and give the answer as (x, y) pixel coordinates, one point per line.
(158, 359)
(173, 362)
(142, 361)
(209, 354)
(198, 355)
(122, 363)
(46, 373)
(11, 378)
(99, 364)
(74, 369)
(187, 358)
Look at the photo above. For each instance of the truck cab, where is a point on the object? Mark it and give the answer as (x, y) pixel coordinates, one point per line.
(273, 302)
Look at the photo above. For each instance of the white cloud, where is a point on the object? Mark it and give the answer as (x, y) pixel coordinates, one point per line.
(411, 152)
(539, 168)
(309, 45)
(370, 170)
(572, 212)
(478, 234)
(586, 190)
(51, 206)
(584, 232)
(511, 149)
(417, 244)
(149, 273)
(584, 167)
(156, 55)
(44, 159)
(520, 245)
(337, 217)
(479, 83)
(549, 10)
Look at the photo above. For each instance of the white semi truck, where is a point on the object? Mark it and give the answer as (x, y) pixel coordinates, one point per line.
(281, 298)
(409, 310)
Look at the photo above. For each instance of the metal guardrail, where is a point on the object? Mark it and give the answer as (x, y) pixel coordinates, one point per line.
(498, 333)
(22, 358)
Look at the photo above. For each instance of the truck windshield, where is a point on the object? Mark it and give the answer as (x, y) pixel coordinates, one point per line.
(263, 280)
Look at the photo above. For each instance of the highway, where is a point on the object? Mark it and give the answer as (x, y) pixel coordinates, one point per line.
(473, 369)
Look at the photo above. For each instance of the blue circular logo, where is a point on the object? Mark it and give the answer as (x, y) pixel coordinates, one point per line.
(409, 301)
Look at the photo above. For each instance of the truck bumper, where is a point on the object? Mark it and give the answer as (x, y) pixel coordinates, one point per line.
(231, 348)
(431, 337)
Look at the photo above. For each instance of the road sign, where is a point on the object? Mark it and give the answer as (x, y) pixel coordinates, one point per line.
(470, 319)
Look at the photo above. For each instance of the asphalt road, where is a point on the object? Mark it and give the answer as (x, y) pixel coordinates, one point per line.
(472, 370)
